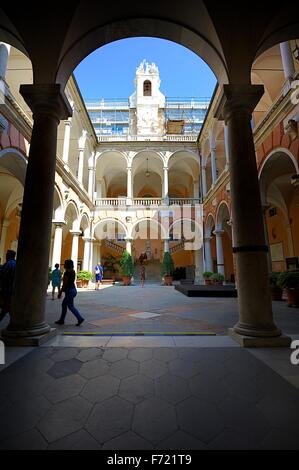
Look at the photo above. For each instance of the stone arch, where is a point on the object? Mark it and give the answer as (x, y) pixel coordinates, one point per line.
(164, 233)
(193, 238)
(209, 224)
(15, 162)
(222, 208)
(111, 220)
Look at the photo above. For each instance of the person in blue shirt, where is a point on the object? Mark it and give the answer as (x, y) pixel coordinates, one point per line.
(98, 271)
(70, 292)
(7, 281)
(56, 280)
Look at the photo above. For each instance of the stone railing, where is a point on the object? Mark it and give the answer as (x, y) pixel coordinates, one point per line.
(154, 138)
(110, 202)
(179, 247)
(115, 247)
(145, 202)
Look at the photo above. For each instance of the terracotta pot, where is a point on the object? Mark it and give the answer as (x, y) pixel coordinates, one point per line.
(79, 283)
(208, 282)
(276, 293)
(85, 283)
(293, 297)
(168, 280)
(126, 280)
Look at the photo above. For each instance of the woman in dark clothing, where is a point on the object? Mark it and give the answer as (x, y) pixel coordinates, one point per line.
(70, 292)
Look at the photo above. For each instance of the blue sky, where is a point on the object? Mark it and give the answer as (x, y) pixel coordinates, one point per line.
(109, 72)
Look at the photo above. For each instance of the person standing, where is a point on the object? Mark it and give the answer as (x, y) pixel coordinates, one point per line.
(7, 280)
(142, 275)
(56, 280)
(70, 292)
(98, 271)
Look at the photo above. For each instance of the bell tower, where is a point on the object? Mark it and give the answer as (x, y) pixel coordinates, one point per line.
(147, 104)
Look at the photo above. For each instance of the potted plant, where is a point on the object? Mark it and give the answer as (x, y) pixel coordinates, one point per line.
(207, 277)
(168, 269)
(276, 290)
(217, 279)
(83, 278)
(126, 267)
(289, 280)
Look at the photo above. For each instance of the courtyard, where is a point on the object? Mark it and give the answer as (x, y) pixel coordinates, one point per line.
(105, 386)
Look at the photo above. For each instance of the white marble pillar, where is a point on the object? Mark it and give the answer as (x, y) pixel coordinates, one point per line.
(87, 256)
(4, 229)
(165, 182)
(287, 60)
(57, 244)
(196, 189)
(4, 55)
(82, 142)
(75, 247)
(226, 143)
(129, 245)
(129, 183)
(91, 181)
(213, 165)
(208, 254)
(166, 245)
(66, 140)
(219, 251)
(198, 267)
(204, 181)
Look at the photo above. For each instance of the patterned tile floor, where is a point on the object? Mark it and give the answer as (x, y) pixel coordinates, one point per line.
(107, 392)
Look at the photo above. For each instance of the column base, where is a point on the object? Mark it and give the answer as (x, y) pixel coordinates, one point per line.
(259, 341)
(21, 340)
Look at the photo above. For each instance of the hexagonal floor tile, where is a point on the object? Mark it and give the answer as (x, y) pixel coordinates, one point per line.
(94, 368)
(171, 388)
(64, 368)
(140, 354)
(110, 419)
(136, 388)
(64, 388)
(127, 441)
(200, 419)
(100, 388)
(154, 420)
(115, 354)
(183, 368)
(64, 418)
(89, 354)
(124, 368)
(153, 368)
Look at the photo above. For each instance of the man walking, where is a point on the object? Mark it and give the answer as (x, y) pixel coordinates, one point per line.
(7, 280)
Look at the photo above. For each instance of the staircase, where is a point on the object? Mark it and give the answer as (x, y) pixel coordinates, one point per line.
(152, 272)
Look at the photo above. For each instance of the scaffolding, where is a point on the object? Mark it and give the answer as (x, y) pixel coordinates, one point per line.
(182, 115)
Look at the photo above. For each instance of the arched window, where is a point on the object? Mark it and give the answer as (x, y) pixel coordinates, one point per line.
(147, 88)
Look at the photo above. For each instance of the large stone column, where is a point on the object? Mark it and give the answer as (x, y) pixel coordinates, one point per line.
(208, 254)
(166, 245)
(196, 189)
(219, 251)
(265, 207)
(4, 229)
(287, 60)
(57, 244)
(75, 247)
(27, 324)
(255, 326)
(4, 55)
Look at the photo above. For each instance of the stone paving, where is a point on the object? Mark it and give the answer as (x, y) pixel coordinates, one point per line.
(146, 398)
(170, 393)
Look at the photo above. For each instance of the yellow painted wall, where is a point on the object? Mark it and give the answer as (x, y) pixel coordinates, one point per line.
(277, 234)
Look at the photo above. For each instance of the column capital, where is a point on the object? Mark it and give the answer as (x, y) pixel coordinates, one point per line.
(75, 233)
(58, 223)
(47, 99)
(218, 232)
(207, 238)
(89, 239)
(237, 97)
